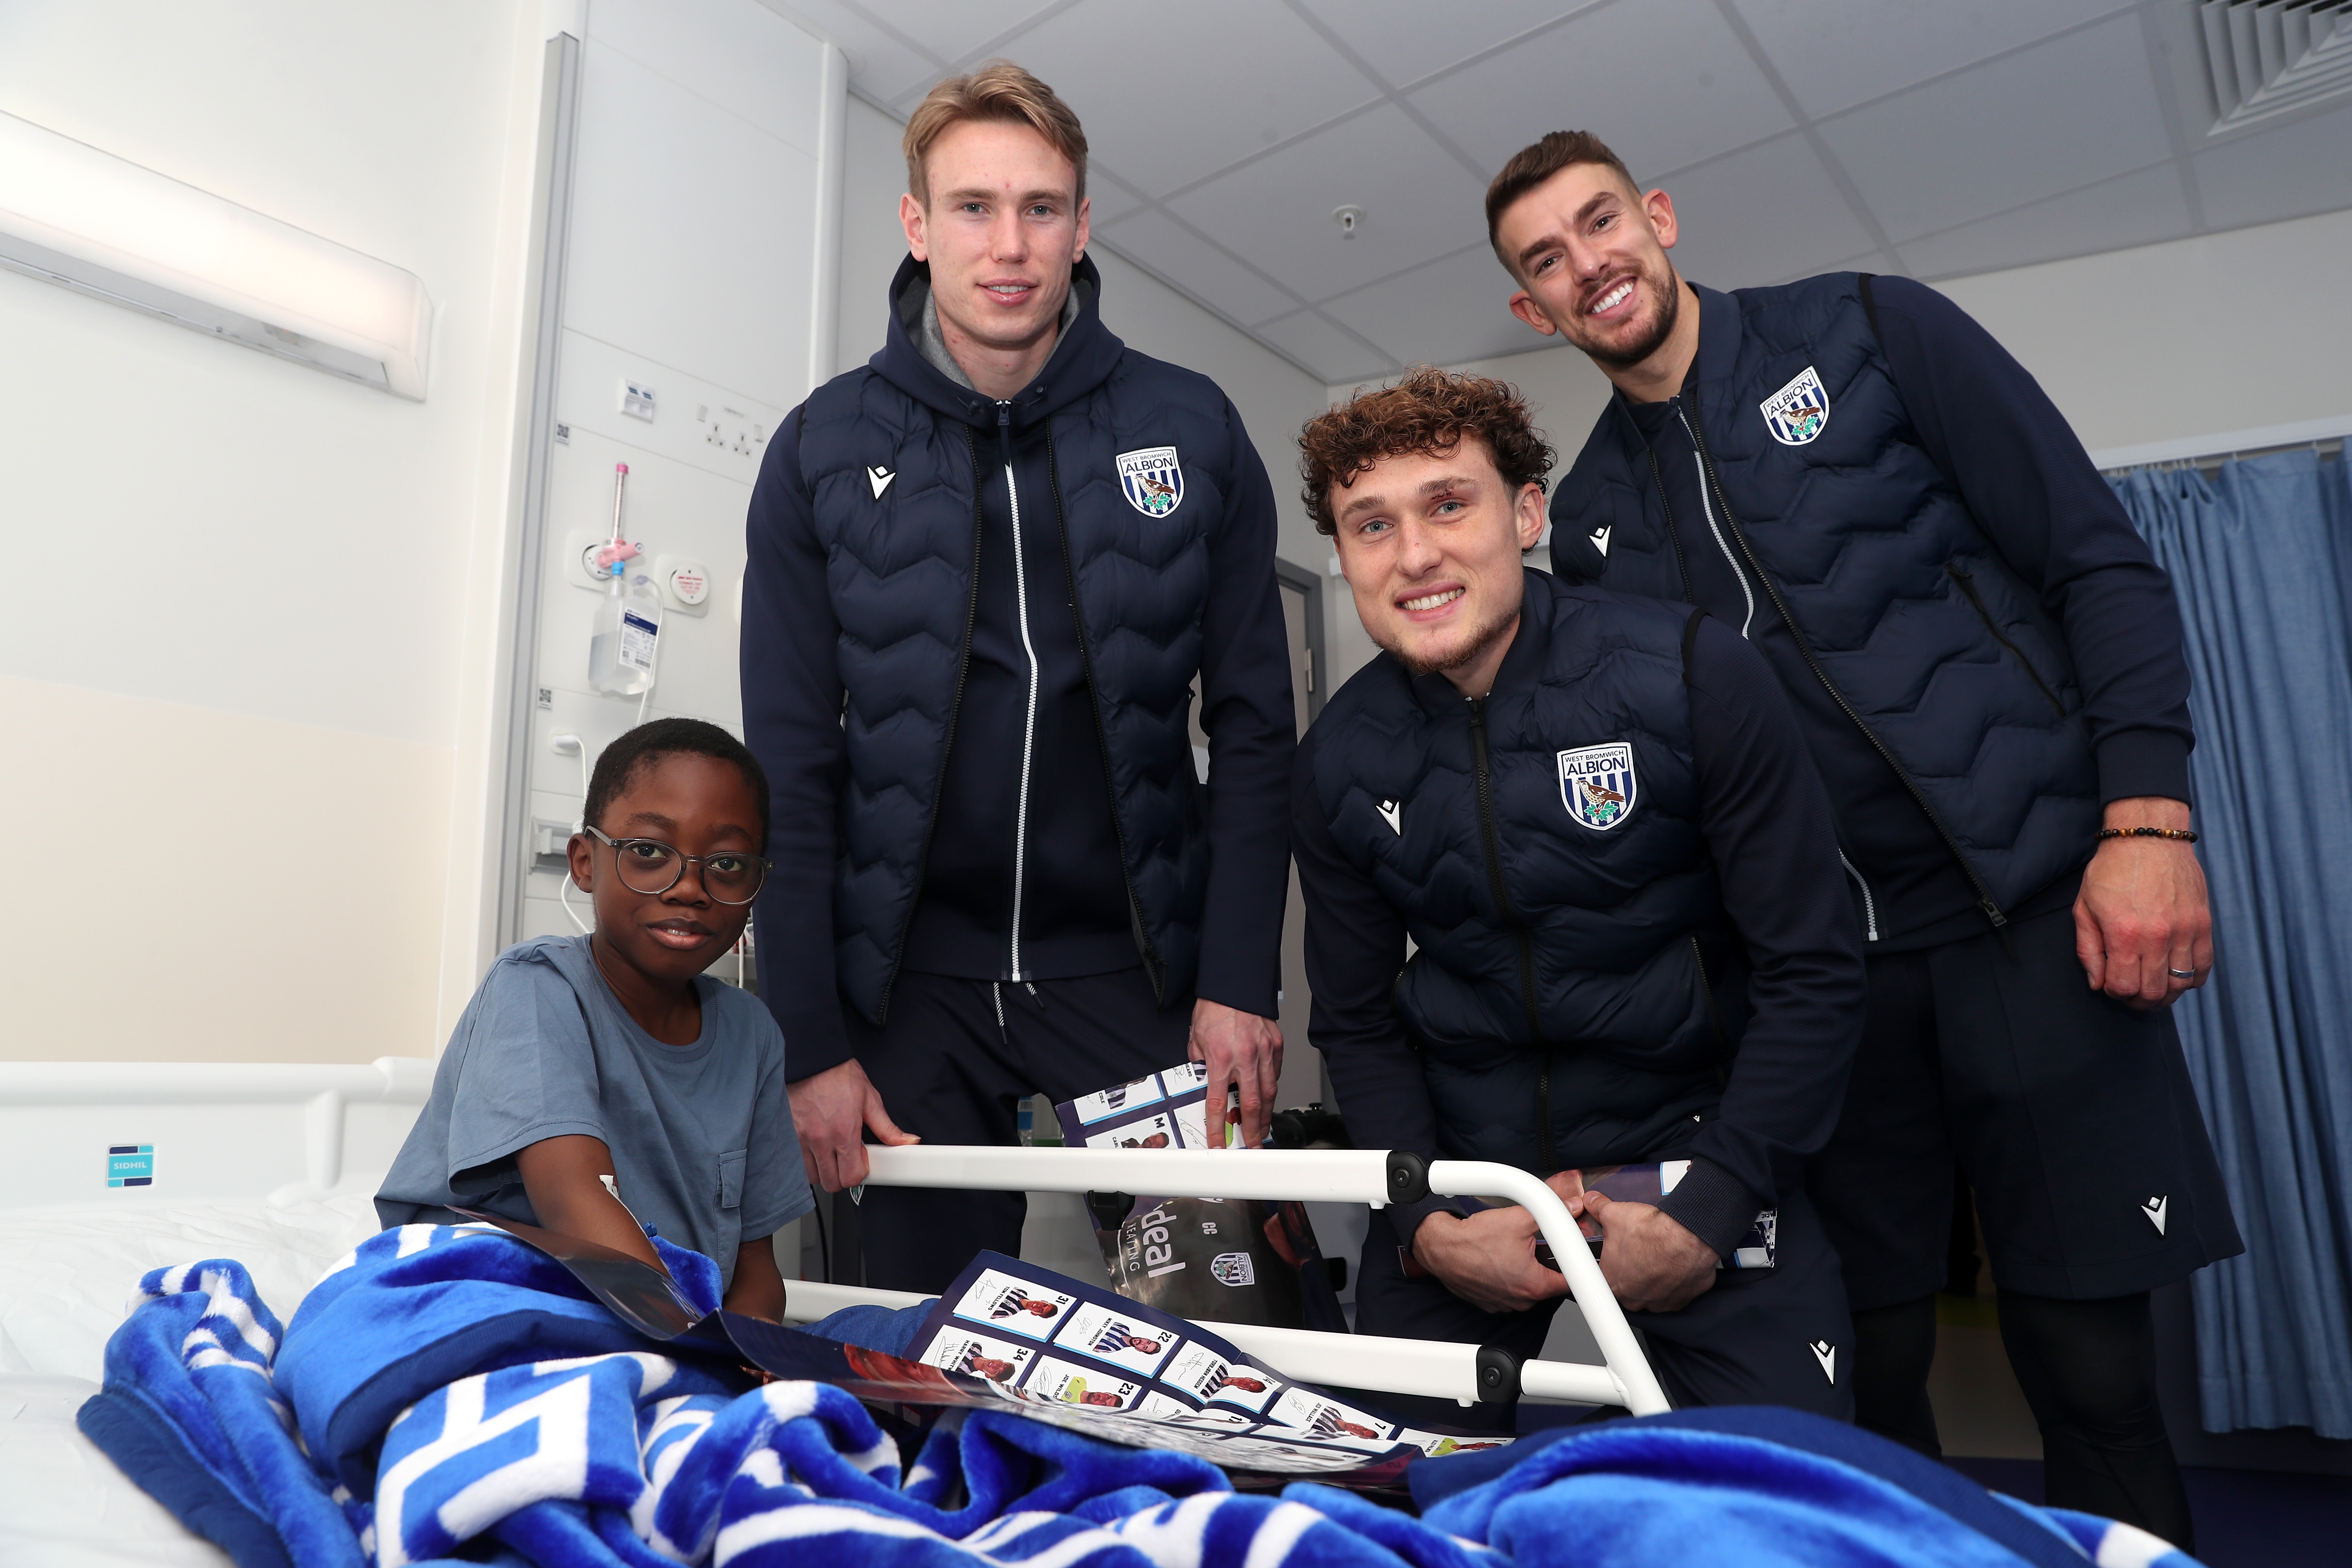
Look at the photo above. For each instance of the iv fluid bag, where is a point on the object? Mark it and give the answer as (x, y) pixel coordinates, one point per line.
(628, 623)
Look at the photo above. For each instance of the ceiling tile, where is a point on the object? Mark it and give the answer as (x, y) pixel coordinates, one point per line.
(2056, 117)
(2297, 169)
(1166, 249)
(951, 29)
(880, 66)
(1665, 82)
(1834, 54)
(1764, 215)
(1324, 349)
(1418, 204)
(2136, 209)
(1406, 43)
(1109, 199)
(1170, 93)
(1448, 313)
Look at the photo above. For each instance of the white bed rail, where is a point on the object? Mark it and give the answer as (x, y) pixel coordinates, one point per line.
(215, 1131)
(1333, 1175)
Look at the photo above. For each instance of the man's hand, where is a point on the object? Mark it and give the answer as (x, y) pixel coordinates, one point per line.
(1487, 1260)
(1652, 1263)
(1242, 1050)
(2142, 913)
(831, 1110)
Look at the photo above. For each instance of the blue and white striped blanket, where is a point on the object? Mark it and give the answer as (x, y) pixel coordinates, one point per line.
(450, 1390)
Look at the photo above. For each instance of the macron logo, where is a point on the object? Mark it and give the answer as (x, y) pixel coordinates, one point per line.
(880, 478)
(2153, 1208)
(1600, 539)
(1826, 1353)
(1392, 813)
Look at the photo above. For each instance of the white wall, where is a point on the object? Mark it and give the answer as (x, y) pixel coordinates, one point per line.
(2221, 331)
(253, 631)
(691, 268)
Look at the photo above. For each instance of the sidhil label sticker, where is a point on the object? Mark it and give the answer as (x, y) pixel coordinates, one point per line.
(1065, 1382)
(130, 1165)
(978, 1355)
(1013, 1306)
(1119, 1099)
(1201, 1372)
(1123, 1339)
(1153, 1132)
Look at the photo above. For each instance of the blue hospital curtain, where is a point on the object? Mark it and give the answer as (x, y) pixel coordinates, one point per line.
(2260, 556)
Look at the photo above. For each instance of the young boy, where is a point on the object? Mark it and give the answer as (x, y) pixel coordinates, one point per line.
(586, 1063)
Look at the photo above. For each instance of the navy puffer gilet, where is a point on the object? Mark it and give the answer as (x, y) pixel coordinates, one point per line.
(1575, 992)
(1903, 607)
(900, 571)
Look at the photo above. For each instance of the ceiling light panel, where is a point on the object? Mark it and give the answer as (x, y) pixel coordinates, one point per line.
(1666, 83)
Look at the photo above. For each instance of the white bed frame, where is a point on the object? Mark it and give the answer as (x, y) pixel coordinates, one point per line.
(1438, 1368)
(242, 1132)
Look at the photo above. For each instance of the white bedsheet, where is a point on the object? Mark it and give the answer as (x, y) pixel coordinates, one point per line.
(68, 1272)
(63, 1504)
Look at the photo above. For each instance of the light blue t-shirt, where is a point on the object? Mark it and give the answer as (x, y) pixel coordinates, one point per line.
(701, 1135)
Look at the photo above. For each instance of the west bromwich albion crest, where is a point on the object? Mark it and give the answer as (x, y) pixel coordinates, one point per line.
(1596, 785)
(1799, 411)
(1153, 480)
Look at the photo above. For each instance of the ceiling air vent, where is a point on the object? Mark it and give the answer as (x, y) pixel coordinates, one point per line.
(2272, 56)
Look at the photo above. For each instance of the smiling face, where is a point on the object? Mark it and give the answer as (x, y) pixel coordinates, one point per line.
(699, 805)
(1431, 546)
(1591, 257)
(1001, 229)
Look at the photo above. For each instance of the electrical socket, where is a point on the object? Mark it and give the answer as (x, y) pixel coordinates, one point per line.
(730, 430)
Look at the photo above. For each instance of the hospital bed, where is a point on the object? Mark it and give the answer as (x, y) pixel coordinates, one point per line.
(109, 1169)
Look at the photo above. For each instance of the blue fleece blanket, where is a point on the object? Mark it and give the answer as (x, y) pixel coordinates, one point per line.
(450, 1391)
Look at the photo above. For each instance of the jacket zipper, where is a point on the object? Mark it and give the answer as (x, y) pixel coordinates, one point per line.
(1746, 589)
(1968, 590)
(955, 709)
(1510, 917)
(1869, 904)
(1029, 719)
(1153, 965)
(1985, 901)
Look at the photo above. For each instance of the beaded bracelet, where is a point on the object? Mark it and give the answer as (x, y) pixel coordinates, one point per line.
(2184, 835)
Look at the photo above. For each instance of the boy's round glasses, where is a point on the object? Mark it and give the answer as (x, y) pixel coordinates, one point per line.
(650, 866)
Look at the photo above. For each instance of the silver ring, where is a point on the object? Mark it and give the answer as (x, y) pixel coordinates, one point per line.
(2182, 973)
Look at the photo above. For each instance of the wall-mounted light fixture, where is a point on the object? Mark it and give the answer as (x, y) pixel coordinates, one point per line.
(106, 227)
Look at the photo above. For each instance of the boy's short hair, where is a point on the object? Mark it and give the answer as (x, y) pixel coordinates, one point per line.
(1427, 413)
(649, 743)
(1531, 166)
(1001, 91)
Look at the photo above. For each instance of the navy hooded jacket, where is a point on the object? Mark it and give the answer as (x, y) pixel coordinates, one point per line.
(971, 633)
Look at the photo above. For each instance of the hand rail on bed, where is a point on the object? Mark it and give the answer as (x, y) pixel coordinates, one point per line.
(1333, 1175)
